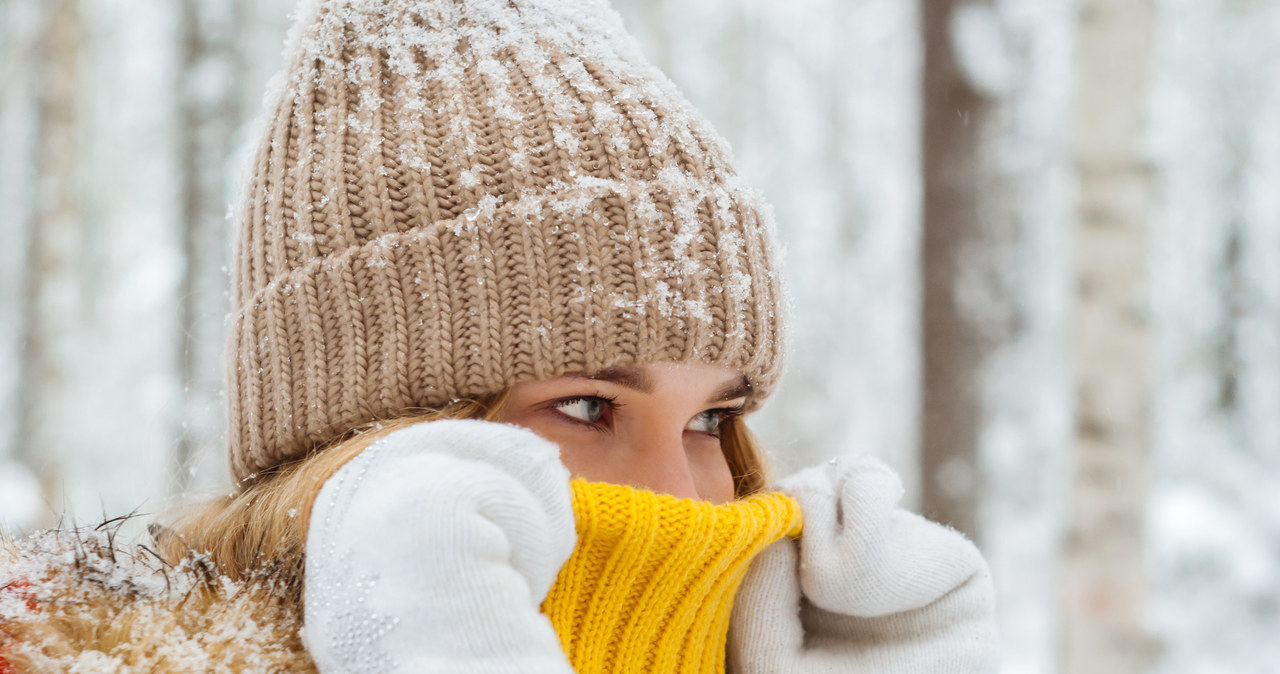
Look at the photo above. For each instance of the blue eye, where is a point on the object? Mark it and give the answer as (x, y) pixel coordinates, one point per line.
(713, 421)
(590, 410)
(706, 422)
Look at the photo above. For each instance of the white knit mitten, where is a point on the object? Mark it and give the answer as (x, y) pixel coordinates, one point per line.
(432, 551)
(868, 587)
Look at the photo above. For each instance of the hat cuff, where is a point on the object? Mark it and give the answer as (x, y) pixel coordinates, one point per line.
(549, 283)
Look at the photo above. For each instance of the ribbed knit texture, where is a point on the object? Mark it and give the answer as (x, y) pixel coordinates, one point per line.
(452, 196)
(650, 585)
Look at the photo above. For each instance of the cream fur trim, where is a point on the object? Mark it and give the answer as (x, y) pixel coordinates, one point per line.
(77, 601)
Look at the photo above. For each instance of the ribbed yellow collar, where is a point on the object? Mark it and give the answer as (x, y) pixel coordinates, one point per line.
(650, 586)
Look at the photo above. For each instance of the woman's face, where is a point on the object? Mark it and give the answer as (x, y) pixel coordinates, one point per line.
(654, 427)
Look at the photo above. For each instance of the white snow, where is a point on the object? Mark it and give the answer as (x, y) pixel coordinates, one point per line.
(821, 101)
(20, 497)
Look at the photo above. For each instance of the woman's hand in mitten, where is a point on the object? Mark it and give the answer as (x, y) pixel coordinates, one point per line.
(432, 550)
(868, 587)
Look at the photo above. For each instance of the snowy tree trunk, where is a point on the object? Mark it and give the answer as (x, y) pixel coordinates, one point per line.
(210, 114)
(136, 262)
(1105, 582)
(21, 70)
(1215, 563)
(1017, 275)
(55, 306)
(94, 386)
(969, 235)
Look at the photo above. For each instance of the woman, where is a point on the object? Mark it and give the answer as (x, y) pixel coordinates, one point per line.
(500, 301)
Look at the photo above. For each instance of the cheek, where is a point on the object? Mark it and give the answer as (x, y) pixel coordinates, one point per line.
(583, 453)
(711, 472)
(590, 462)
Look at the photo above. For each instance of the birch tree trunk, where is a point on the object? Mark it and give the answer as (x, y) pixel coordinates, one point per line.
(55, 295)
(1105, 582)
(1014, 284)
(21, 70)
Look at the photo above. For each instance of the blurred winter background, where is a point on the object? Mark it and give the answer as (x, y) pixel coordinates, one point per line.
(1034, 247)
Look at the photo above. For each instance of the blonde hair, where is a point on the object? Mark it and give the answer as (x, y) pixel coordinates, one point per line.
(264, 526)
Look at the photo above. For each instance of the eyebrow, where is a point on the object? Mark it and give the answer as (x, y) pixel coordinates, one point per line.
(734, 389)
(639, 380)
(622, 375)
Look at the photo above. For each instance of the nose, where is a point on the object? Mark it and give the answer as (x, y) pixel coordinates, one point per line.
(663, 465)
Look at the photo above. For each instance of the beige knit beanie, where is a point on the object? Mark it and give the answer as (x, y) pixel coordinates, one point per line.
(453, 196)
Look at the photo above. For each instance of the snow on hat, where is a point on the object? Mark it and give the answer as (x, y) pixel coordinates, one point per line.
(449, 197)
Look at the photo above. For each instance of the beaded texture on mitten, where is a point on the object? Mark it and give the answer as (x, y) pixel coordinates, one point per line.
(868, 587)
(432, 550)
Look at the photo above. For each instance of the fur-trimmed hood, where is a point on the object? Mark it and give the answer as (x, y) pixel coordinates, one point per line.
(77, 601)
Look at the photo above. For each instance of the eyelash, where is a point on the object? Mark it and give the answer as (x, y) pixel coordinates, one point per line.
(727, 414)
(612, 405)
(610, 402)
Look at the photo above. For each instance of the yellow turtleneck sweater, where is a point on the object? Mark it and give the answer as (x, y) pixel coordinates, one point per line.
(650, 585)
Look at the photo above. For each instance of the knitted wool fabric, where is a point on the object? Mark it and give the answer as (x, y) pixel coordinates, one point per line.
(650, 585)
(453, 196)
